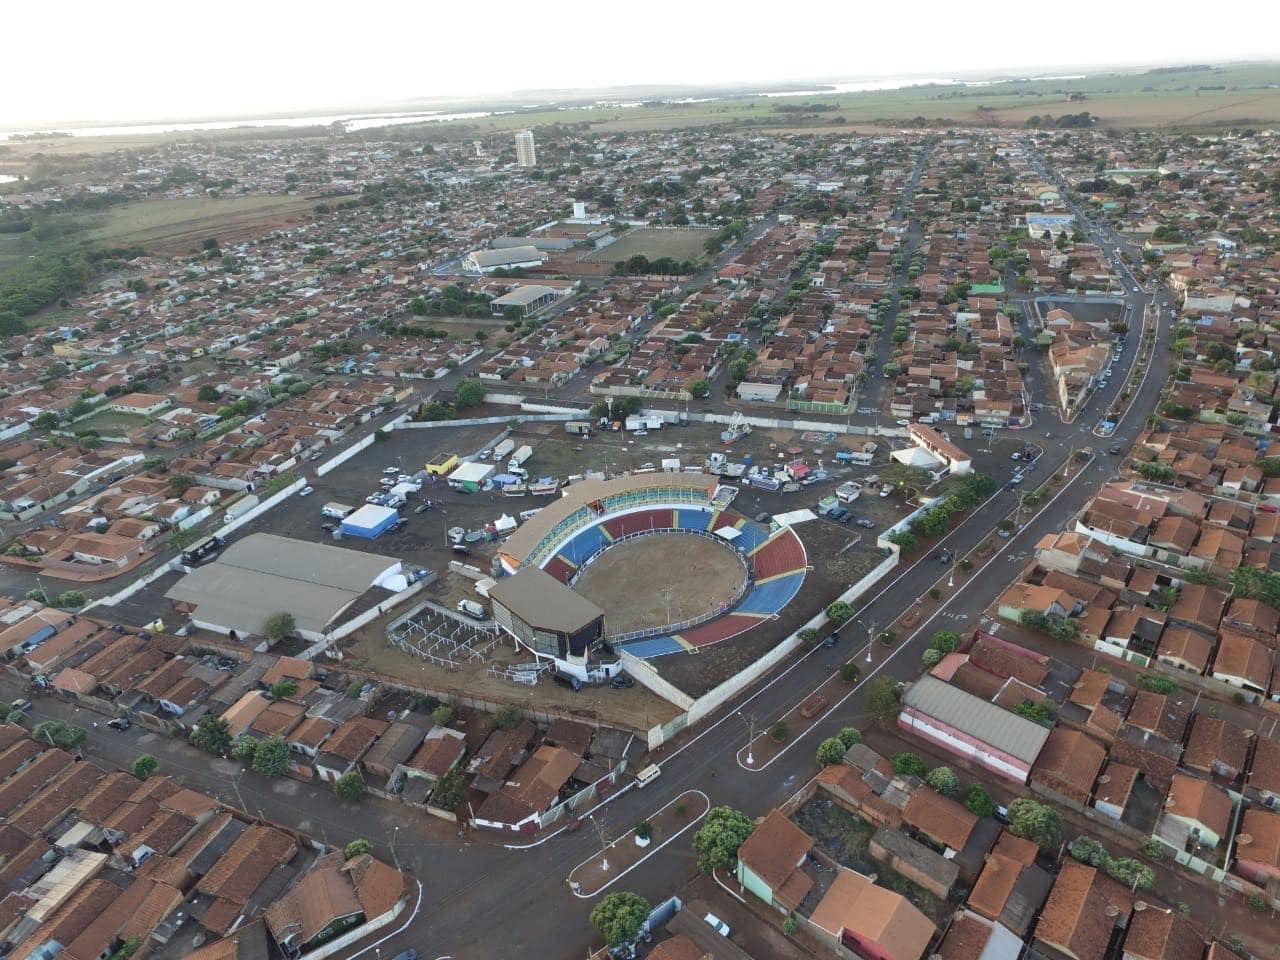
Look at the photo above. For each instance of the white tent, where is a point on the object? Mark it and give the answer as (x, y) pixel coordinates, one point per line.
(504, 524)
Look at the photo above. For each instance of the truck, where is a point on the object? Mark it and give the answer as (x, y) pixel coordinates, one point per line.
(503, 449)
(579, 428)
(516, 463)
(719, 464)
(763, 481)
(848, 492)
(336, 511)
(643, 423)
(442, 466)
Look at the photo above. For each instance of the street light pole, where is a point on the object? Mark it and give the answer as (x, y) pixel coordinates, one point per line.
(604, 845)
(871, 638)
(751, 736)
(394, 859)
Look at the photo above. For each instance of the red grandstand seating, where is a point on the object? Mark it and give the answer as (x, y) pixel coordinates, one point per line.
(560, 568)
(720, 629)
(638, 522)
(783, 554)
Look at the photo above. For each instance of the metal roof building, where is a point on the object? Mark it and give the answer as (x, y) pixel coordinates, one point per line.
(264, 574)
(487, 260)
(971, 727)
(545, 615)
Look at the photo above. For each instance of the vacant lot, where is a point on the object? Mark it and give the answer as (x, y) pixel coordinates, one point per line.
(678, 243)
(177, 226)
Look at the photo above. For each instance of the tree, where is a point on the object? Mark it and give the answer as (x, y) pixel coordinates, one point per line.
(207, 394)
(450, 791)
(70, 599)
(357, 847)
(619, 917)
(978, 802)
(277, 626)
(349, 786)
(883, 699)
(271, 759)
(211, 734)
(180, 483)
(849, 672)
(830, 751)
(469, 393)
(944, 780)
(908, 764)
(283, 689)
(244, 748)
(1090, 851)
(849, 736)
(839, 612)
(145, 766)
(930, 658)
(1035, 822)
(442, 715)
(59, 733)
(507, 717)
(699, 389)
(718, 840)
(945, 641)
(46, 420)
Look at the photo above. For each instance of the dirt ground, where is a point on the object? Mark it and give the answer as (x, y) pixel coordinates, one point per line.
(660, 579)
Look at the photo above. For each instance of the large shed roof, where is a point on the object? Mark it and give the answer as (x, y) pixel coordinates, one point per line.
(993, 725)
(263, 574)
(542, 601)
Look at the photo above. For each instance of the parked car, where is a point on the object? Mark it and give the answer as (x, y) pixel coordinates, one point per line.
(886, 490)
(716, 924)
(865, 523)
(567, 680)
(23, 705)
(831, 639)
(944, 556)
(1016, 455)
(120, 723)
(387, 471)
(398, 525)
(306, 491)
(622, 682)
(315, 456)
(410, 954)
(423, 507)
(1114, 451)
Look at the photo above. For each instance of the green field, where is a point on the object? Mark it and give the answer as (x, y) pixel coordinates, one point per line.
(678, 244)
(178, 225)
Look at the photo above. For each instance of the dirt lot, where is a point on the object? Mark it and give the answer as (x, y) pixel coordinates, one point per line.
(683, 577)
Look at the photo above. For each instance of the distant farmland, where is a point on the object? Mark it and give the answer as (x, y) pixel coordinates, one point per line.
(176, 226)
(678, 243)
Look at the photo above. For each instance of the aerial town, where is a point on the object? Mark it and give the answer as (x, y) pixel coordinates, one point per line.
(678, 541)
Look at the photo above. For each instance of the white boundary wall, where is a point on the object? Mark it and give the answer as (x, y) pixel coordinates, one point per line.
(355, 934)
(260, 509)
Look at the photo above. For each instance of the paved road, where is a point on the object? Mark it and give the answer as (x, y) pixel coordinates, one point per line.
(483, 901)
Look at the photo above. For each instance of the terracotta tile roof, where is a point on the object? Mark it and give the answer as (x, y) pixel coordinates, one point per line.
(1016, 848)
(1070, 760)
(1265, 774)
(323, 895)
(241, 870)
(378, 886)
(1214, 741)
(995, 886)
(965, 940)
(774, 852)
(941, 818)
(1074, 918)
(875, 914)
(1201, 801)
(354, 737)
(1262, 827)
(1156, 934)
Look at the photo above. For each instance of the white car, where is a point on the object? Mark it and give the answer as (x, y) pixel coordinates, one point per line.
(404, 478)
(886, 490)
(904, 423)
(387, 471)
(716, 924)
(306, 492)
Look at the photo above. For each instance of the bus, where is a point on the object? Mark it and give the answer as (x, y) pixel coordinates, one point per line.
(198, 552)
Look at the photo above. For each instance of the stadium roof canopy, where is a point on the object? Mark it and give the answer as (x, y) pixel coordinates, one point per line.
(264, 574)
(543, 602)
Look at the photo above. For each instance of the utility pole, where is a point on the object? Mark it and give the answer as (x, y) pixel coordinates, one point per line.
(750, 721)
(604, 842)
(871, 638)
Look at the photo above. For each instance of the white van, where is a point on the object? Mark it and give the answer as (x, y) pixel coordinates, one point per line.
(471, 609)
(648, 775)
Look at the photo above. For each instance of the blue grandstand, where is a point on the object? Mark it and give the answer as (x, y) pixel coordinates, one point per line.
(693, 519)
(584, 545)
(771, 596)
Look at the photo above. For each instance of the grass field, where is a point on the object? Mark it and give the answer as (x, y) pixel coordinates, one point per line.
(679, 244)
(177, 226)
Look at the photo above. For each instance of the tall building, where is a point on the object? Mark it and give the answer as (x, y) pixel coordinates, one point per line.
(526, 155)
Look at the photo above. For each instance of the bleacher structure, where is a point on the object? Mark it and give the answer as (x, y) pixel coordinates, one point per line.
(592, 516)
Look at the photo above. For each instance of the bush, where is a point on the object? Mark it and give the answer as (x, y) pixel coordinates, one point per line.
(59, 733)
(357, 847)
(271, 758)
(839, 612)
(850, 672)
(1154, 683)
(810, 637)
(778, 732)
(244, 747)
(1090, 851)
(908, 764)
(1154, 849)
(283, 690)
(450, 791)
(278, 626)
(1257, 903)
(889, 637)
(945, 641)
(349, 786)
(978, 802)
(930, 658)
(70, 600)
(442, 715)
(789, 926)
(144, 766)
(830, 751)
(849, 736)
(507, 717)
(644, 830)
(944, 780)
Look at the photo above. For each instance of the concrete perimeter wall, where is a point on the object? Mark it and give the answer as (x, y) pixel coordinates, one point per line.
(260, 509)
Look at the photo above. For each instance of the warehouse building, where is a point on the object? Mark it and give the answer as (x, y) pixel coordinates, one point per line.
(528, 299)
(264, 574)
(487, 261)
(972, 728)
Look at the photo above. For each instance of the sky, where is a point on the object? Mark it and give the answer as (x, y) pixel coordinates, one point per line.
(131, 60)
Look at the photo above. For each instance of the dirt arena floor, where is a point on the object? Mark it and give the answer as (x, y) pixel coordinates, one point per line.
(660, 579)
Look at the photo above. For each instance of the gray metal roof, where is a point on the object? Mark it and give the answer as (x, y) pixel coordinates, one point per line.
(542, 601)
(264, 574)
(523, 296)
(993, 725)
(498, 258)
